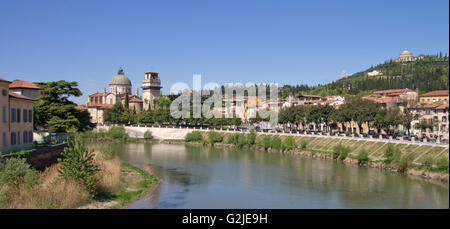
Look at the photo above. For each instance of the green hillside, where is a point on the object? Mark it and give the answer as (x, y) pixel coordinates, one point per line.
(429, 74)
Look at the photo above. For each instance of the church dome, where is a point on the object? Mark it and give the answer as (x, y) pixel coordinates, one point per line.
(406, 52)
(120, 79)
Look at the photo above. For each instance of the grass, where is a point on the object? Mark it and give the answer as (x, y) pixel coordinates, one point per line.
(433, 152)
(133, 189)
(419, 151)
(380, 152)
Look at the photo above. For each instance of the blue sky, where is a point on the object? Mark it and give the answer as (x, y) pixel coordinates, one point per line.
(288, 42)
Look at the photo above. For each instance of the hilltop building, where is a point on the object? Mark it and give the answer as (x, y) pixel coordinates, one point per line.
(16, 116)
(119, 87)
(406, 56)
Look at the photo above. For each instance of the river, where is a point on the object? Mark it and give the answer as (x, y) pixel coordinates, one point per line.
(206, 177)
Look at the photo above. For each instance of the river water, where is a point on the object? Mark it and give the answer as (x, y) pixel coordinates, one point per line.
(206, 177)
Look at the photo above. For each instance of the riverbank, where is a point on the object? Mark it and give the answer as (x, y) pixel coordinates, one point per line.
(350, 160)
(135, 184)
(84, 179)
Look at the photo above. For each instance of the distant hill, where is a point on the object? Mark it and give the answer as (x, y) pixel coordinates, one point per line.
(429, 74)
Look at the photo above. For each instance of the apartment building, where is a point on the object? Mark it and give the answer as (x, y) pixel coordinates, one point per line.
(16, 119)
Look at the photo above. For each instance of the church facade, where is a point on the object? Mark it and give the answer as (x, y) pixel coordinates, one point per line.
(119, 88)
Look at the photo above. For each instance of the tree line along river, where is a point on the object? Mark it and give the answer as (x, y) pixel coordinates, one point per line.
(207, 177)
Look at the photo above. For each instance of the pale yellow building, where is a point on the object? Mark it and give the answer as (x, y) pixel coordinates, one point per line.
(16, 119)
(434, 96)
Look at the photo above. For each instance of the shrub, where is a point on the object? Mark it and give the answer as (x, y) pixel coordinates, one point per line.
(26, 154)
(428, 163)
(148, 134)
(392, 154)
(340, 152)
(303, 144)
(288, 143)
(14, 170)
(214, 137)
(266, 142)
(117, 132)
(363, 156)
(442, 164)
(78, 163)
(251, 137)
(241, 140)
(232, 139)
(404, 163)
(194, 136)
(275, 142)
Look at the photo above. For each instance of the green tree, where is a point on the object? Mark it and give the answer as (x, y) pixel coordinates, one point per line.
(55, 112)
(115, 114)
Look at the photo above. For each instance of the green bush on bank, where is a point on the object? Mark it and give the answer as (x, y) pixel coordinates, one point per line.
(214, 137)
(117, 132)
(442, 165)
(26, 154)
(340, 152)
(148, 134)
(363, 156)
(289, 143)
(404, 163)
(13, 170)
(194, 136)
(265, 142)
(77, 163)
(303, 144)
(251, 137)
(275, 142)
(428, 163)
(392, 154)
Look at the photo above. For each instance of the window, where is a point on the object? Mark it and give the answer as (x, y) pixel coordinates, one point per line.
(4, 93)
(443, 128)
(25, 115)
(13, 138)
(4, 114)
(30, 115)
(444, 118)
(18, 137)
(25, 137)
(18, 115)
(30, 136)
(13, 115)
(4, 139)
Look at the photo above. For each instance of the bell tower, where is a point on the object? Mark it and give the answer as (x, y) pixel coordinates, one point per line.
(151, 88)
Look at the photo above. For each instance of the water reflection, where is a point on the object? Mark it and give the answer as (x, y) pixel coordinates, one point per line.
(205, 177)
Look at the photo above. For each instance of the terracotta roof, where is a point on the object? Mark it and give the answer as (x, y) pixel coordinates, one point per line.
(439, 105)
(394, 91)
(435, 93)
(102, 106)
(19, 96)
(81, 107)
(135, 100)
(312, 96)
(23, 84)
(97, 94)
(3, 80)
(384, 100)
(151, 72)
